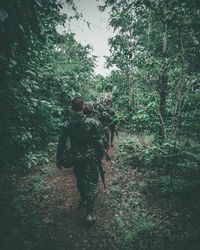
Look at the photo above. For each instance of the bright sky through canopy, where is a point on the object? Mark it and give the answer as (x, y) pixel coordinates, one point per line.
(96, 33)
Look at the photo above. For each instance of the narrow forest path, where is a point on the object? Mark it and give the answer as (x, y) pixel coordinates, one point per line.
(42, 211)
(48, 211)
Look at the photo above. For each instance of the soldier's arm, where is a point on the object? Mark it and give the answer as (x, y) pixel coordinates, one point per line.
(62, 143)
(112, 112)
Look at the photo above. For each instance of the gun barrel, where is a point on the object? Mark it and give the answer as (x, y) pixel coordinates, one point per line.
(102, 174)
(108, 157)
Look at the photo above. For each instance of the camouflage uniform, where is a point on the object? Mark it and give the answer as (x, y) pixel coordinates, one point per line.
(106, 120)
(91, 112)
(112, 125)
(87, 145)
(99, 108)
(103, 117)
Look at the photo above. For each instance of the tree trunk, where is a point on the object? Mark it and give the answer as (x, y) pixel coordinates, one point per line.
(163, 79)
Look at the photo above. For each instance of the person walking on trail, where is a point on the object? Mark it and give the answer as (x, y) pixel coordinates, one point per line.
(86, 142)
(108, 120)
(90, 111)
(113, 120)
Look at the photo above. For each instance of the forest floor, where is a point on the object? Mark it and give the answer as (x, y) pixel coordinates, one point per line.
(44, 214)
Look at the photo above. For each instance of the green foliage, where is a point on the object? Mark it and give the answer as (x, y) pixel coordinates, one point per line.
(156, 51)
(134, 225)
(143, 120)
(41, 72)
(156, 90)
(140, 232)
(175, 164)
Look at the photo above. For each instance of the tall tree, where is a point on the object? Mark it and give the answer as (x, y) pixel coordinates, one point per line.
(157, 45)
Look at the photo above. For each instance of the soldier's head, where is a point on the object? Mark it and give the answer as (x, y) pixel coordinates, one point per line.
(77, 104)
(108, 102)
(89, 108)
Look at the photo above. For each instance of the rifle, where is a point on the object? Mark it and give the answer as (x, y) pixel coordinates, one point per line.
(116, 132)
(107, 157)
(102, 174)
(101, 169)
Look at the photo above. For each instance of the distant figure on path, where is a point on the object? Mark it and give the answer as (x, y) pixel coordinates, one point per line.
(108, 121)
(113, 122)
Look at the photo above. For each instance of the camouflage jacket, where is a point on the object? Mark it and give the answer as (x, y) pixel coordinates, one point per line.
(94, 114)
(85, 136)
(109, 110)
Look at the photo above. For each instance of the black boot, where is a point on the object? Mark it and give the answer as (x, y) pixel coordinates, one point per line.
(90, 216)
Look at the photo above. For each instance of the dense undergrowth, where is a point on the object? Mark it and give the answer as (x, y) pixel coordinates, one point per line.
(154, 209)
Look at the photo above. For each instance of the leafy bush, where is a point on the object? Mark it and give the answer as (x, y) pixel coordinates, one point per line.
(176, 164)
(41, 72)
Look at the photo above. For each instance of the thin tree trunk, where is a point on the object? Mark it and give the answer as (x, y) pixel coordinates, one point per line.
(163, 80)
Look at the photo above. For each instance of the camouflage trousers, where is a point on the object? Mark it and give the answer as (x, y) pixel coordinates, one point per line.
(87, 175)
(112, 128)
(107, 137)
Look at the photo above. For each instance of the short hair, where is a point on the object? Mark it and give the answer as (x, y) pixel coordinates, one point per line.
(89, 108)
(77, 103)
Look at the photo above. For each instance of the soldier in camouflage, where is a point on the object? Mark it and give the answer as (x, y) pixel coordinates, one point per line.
(108, 121)
(112, 120)
(91, 112)
(87, 146)
(105, 121)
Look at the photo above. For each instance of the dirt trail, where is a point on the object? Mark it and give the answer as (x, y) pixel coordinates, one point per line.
(49, 216)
